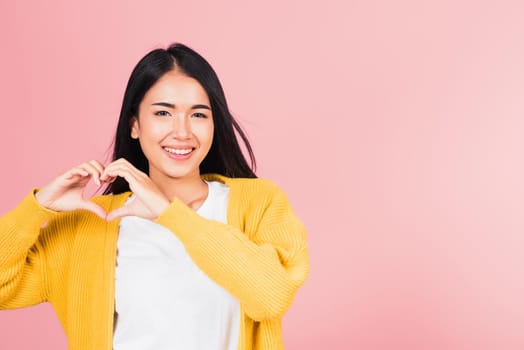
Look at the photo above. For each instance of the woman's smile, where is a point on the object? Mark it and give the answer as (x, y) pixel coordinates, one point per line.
(179, 153)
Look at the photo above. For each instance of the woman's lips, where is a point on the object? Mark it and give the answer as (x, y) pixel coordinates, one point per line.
(179, 153)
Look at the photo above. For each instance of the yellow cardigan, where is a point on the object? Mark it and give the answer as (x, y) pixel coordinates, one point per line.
(68, 259)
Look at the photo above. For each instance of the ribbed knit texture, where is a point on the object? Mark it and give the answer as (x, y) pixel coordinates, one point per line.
(68, 259)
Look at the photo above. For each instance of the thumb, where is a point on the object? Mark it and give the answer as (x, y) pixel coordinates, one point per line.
(119, 212)
(94, 208)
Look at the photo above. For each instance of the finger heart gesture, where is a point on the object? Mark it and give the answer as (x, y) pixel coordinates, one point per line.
(149, 203)
(66, 192)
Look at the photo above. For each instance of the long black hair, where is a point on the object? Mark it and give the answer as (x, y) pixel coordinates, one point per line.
(225, 156)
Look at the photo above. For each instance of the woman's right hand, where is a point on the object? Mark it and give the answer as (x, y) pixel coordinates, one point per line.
(66, 192)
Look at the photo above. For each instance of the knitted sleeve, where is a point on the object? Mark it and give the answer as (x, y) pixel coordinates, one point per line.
(262, 267)
(22, 276)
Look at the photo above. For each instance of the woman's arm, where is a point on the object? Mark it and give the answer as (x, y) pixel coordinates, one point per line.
(23, 239)
(22, 272)
(262, 269)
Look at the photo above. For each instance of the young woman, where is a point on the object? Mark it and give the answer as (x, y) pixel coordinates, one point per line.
(186, 249)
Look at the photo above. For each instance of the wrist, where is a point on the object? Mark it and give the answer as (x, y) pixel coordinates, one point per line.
(37, 200)
(41, 198)
(161, 207)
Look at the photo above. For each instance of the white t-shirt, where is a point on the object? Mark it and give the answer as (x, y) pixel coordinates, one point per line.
(163, 300)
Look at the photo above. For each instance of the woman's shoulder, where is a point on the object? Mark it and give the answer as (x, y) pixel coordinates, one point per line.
(258, 185)
(252, 192)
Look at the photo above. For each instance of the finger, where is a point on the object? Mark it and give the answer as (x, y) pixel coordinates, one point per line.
(93, 171)
(120, 171)
(97, 165)
(94, 208)
(76, 172)
(119, 213)
(121, 163)
(108, 179)
(108, 168)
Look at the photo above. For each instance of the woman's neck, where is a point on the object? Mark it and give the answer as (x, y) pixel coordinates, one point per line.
(192, 191)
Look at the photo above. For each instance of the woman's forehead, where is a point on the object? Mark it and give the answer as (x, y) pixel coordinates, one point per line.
(178, 89)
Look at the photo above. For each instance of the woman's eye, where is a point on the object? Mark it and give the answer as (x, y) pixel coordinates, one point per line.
(162, 114)
(199, 115)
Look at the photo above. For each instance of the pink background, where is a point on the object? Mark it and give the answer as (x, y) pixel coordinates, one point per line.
(395, 127)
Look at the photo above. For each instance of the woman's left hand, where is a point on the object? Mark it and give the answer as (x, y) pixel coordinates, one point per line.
(149, 203)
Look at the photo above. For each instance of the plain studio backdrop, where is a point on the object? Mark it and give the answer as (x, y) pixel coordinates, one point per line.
(395, 127)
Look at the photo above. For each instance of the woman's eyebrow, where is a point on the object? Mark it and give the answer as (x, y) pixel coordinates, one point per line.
(172, 106)
(164, 104)
(200, 106)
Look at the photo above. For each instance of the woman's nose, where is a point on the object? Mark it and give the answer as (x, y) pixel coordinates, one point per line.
(181, 127)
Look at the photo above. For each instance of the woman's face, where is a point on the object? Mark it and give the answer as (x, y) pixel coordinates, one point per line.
(174, 127)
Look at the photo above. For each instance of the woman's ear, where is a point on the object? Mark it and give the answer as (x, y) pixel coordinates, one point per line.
(134, 127)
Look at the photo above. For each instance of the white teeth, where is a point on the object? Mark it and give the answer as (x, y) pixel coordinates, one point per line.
(178, 151)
